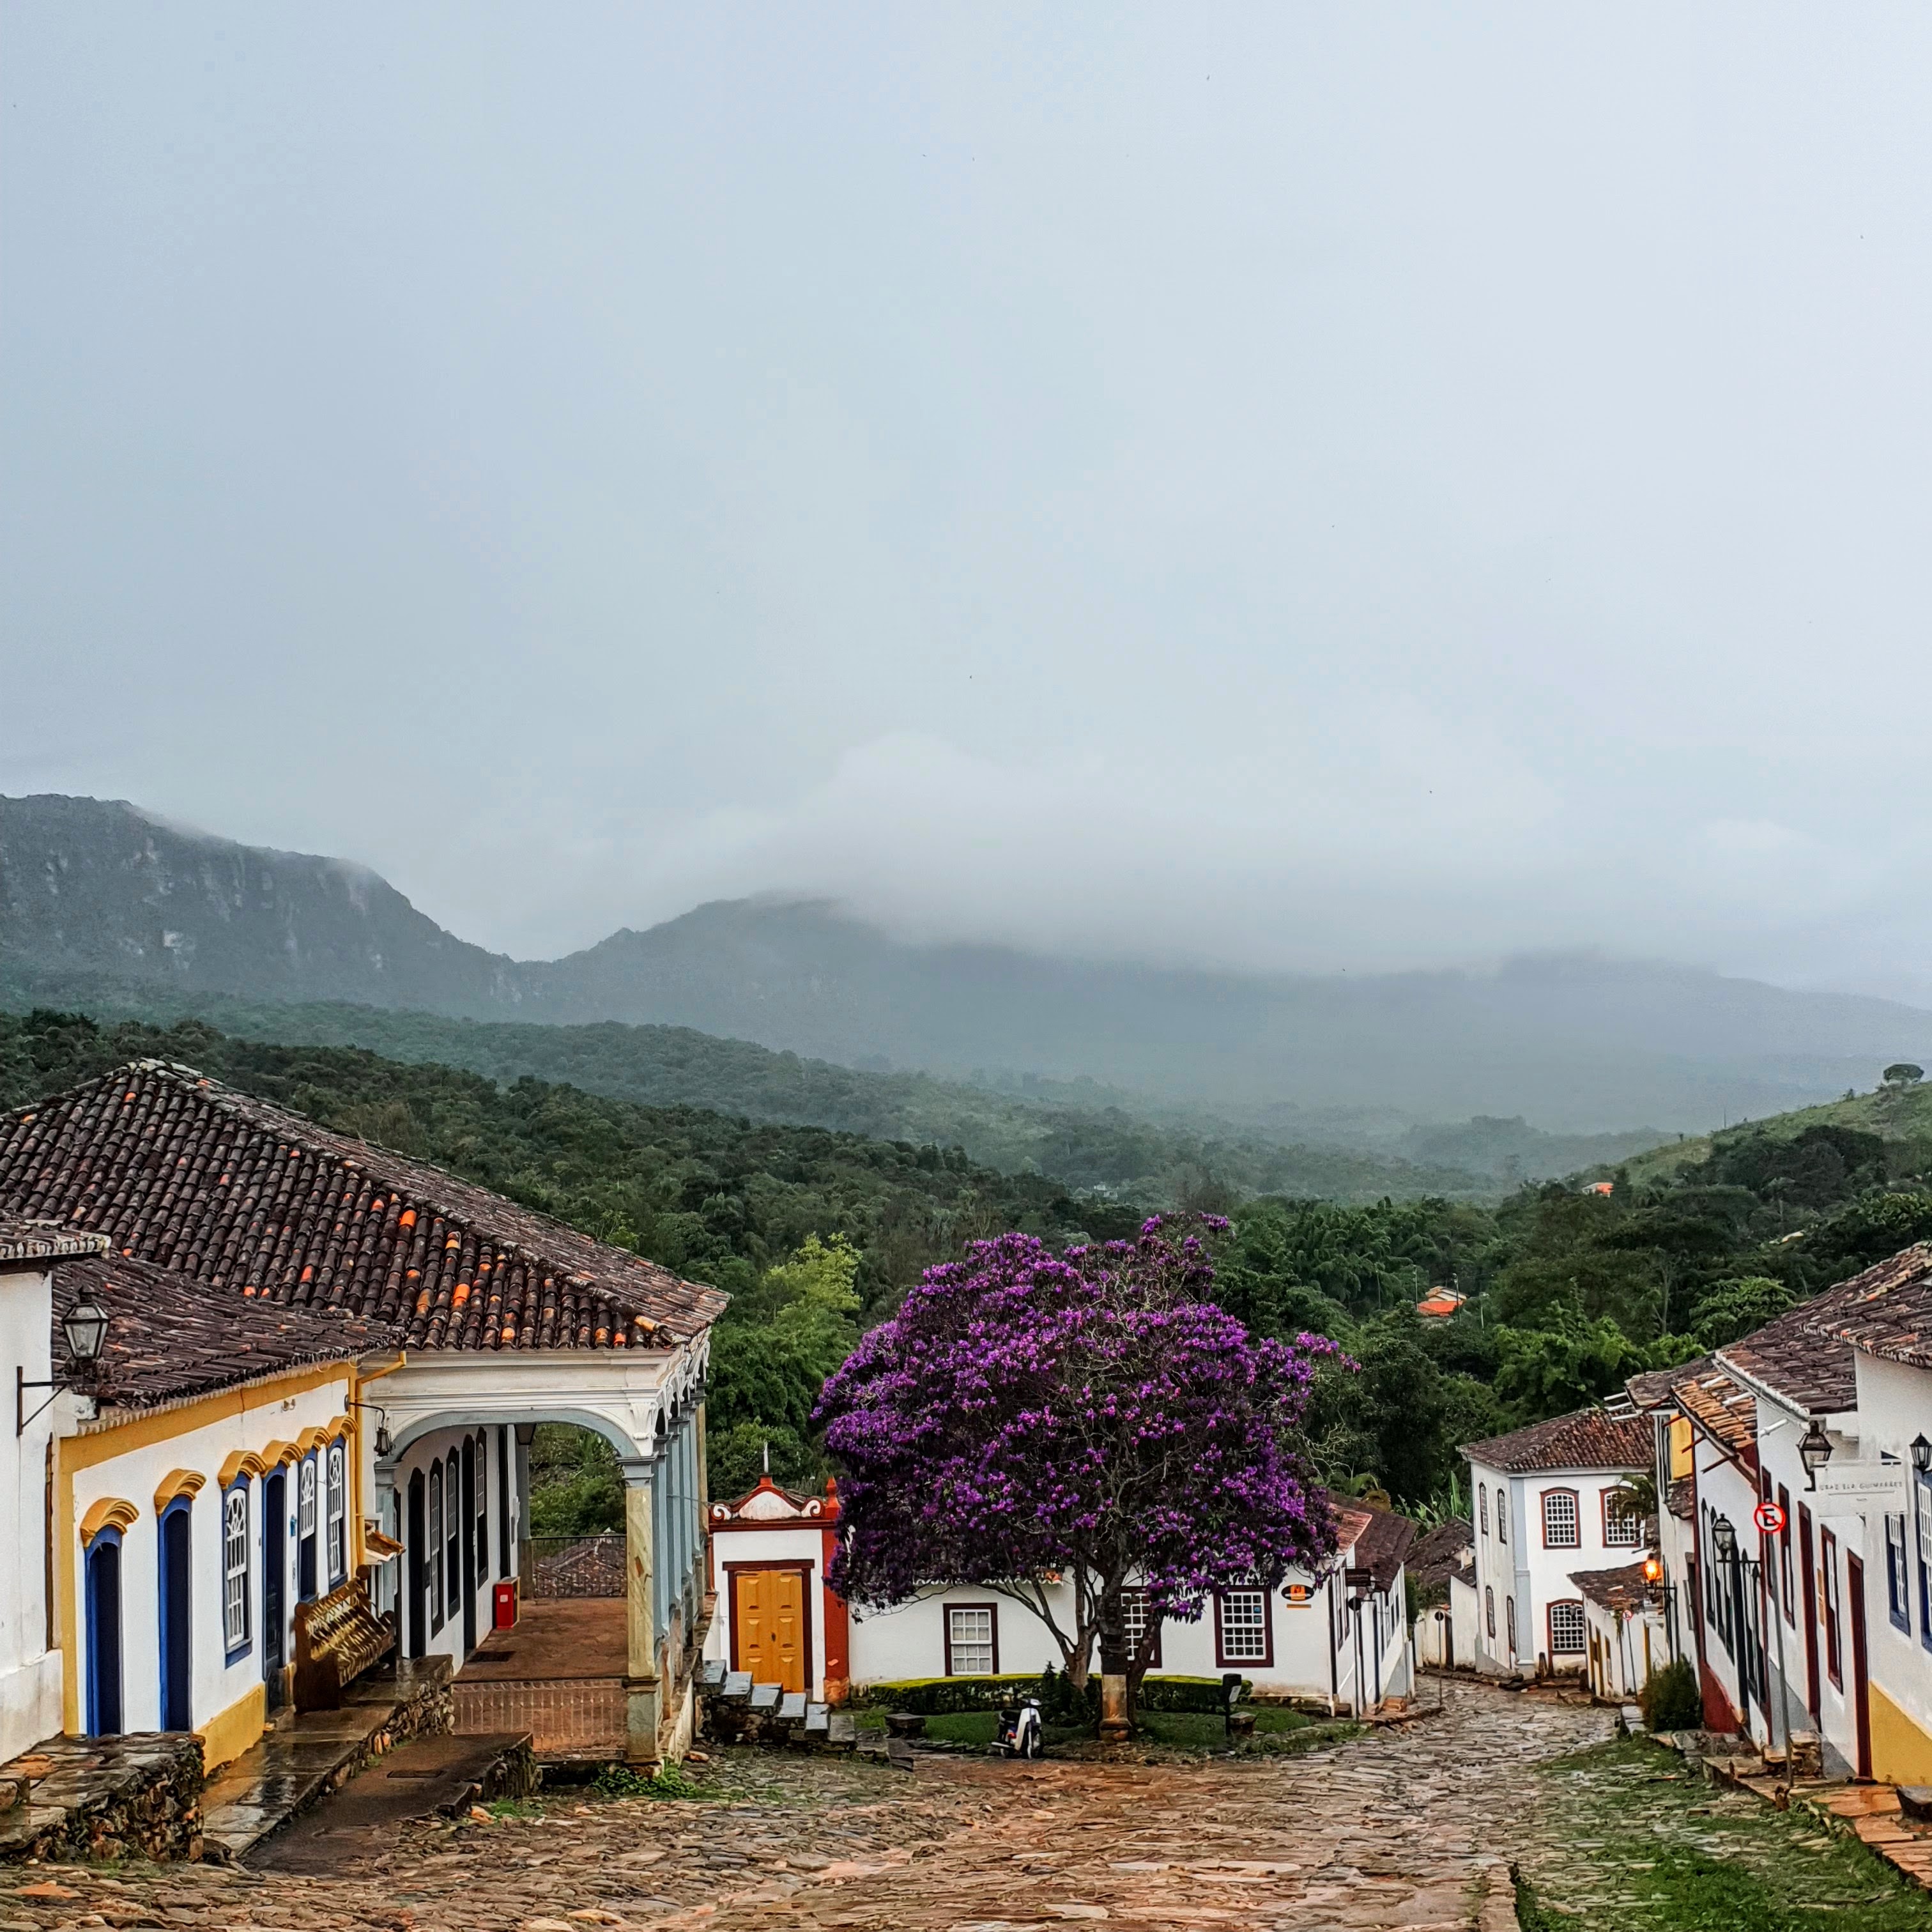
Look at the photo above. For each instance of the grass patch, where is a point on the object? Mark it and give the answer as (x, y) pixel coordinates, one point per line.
(1636, 1840)
(1204, 1731)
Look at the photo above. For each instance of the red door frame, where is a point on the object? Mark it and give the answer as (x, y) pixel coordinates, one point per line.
(1855, 1579)
(1810, 1586)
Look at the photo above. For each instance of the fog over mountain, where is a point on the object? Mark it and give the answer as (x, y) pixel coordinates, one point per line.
(1282, 488)
(1575, 1043)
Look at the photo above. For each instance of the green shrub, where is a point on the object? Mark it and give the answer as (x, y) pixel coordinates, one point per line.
(1060, 1702)
(939, 1696)
(1201, 1694)
(1670, 1701)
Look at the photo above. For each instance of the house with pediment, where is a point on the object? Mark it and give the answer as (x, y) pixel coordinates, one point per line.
(473, 1320)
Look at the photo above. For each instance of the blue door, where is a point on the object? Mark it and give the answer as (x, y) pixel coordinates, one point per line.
(274, 1580)
(177, 1620)
(104, 1635)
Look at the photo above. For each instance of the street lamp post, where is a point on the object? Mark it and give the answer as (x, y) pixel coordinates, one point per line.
(84, 1329)
(1725, 1534)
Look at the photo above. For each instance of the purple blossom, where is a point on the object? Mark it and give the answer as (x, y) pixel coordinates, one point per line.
(1028, 1414)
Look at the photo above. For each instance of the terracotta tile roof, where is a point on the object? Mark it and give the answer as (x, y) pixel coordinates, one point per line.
(1585, 1439)
(1350, 1521)
(1790, 1359)
(1651, 1390)
(1620, 1589)
(1887, 1310)
(1382, 1546)
(27, 1244)
(1681, 1499)
(169, 1335)
(1726, 1410)
(1440, 1551)
(240, 1194)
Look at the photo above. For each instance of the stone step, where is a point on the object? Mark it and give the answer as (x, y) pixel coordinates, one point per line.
(816, 1718)
(248, 1801)
(791, 1708)
(715, 1672)
(737, 1685)
(765, 1696)
(427, 1776)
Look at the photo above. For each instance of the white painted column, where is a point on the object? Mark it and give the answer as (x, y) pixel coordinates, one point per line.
(645, 1688)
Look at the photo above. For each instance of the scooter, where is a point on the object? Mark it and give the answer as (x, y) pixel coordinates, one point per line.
(1018, 1733)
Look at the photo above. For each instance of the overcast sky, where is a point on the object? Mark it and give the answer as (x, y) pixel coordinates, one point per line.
(1292, 485)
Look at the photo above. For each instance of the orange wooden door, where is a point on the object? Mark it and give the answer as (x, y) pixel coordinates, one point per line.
(769, 1607)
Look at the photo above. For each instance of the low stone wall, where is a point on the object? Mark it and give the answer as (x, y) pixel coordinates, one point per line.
(136, 1796)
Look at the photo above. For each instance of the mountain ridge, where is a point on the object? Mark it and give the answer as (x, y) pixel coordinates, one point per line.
(1576, 1044)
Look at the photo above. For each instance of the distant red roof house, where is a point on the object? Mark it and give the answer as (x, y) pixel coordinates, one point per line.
(1440, 1303)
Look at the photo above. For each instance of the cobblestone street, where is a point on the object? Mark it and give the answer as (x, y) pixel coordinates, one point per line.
(1392, 1829)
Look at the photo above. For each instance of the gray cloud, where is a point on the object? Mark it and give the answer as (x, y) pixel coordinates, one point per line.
(1269, 484)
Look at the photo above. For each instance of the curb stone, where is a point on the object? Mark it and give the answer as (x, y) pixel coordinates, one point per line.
(1497, 1911)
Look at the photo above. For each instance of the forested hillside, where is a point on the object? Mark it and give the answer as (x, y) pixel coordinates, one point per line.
(816, 1233)
(1099, 1144)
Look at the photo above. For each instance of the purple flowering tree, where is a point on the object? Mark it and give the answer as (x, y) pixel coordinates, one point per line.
(1029, 1417)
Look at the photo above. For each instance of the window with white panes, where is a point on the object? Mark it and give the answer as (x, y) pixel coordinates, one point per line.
(1502, 1514)
(305, 1492)
(452, 1541)
(1898, 1572)
(969, 1635)
(1559, 1519)
(1483, 1506)
(1134, 1614)
(336, 1513)
(235, 1566)
(434, 1567)
(1566, 1629)
(1243, 1621)
(1623, 1527)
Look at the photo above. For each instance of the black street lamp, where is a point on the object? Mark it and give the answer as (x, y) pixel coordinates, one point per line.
(1921, 1455)
(1814, 1451)
(84, 1328)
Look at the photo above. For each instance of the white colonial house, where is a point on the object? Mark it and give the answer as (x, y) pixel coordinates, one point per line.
(1548, 1503)
(1885, 1317)
(30, 1672)
(1340, 1637)
(473, 1319)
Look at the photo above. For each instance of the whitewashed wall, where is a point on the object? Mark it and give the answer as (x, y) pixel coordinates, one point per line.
(30, 1669)
(1519, 1567)
(256, 1418)
(1895, 1406)
(443, 1628)
(754, 1546)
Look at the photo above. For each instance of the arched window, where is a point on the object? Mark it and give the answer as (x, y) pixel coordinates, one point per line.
(1489, 1610)
(338, 1513)
(435, 1546)
(234, 1593)
(482, 1506)
(1502, 1514)
(1483, 1506)
(305, 1553)
(1509, 1617)
(452, 1552)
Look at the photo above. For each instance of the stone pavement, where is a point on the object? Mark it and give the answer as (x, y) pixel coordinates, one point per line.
(1397, 1828)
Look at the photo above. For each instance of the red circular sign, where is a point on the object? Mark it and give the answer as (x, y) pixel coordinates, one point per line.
(1768, 1517)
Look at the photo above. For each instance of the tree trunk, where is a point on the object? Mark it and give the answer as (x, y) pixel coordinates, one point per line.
(1114, 1661)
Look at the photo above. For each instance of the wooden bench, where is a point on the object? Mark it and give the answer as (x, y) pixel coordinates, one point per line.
(337, 1637)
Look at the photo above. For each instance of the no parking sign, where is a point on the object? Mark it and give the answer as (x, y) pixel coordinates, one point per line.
(1768, 1517)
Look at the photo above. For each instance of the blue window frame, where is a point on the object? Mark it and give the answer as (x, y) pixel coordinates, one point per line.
(1921, 1510)
(1898, 1572)
(175, 1576)
(237, 1622)
(336, 1510)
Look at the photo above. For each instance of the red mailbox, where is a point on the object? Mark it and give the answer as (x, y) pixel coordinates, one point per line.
(505, 1595)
